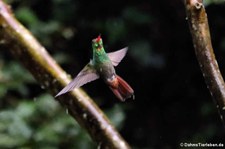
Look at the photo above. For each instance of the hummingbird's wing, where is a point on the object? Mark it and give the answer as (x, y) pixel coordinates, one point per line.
(117, 56)
(87, 74)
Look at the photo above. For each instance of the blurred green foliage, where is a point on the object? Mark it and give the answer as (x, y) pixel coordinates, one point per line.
(13, 77)
(208, 2)
(172, 102)
(40, 123)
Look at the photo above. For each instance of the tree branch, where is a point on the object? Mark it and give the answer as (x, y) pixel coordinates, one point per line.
(199, 28)
(34, 57)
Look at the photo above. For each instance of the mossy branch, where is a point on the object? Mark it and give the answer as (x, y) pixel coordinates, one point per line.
(199, 28)
(16, 38)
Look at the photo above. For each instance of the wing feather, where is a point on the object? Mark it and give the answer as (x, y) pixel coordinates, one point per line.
(117, 56)
(87, 74)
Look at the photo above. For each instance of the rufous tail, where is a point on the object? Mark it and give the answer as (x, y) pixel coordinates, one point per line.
(122, 90)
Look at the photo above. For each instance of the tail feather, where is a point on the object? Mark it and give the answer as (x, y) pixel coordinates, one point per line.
(122, 90)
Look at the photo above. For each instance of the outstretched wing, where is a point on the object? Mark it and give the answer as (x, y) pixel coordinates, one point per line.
(87, 74)
(117, 56)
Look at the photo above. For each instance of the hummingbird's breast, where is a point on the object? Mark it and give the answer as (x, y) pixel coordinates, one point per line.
(106, 71)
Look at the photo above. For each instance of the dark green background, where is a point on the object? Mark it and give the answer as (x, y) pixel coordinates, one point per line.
(172, 103)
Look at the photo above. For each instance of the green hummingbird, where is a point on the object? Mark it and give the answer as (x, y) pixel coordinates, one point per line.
(102, 66)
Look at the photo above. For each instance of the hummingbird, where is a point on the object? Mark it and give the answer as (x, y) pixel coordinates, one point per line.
(102, 66)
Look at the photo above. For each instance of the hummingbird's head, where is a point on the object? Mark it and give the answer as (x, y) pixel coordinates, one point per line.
(97, 43)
